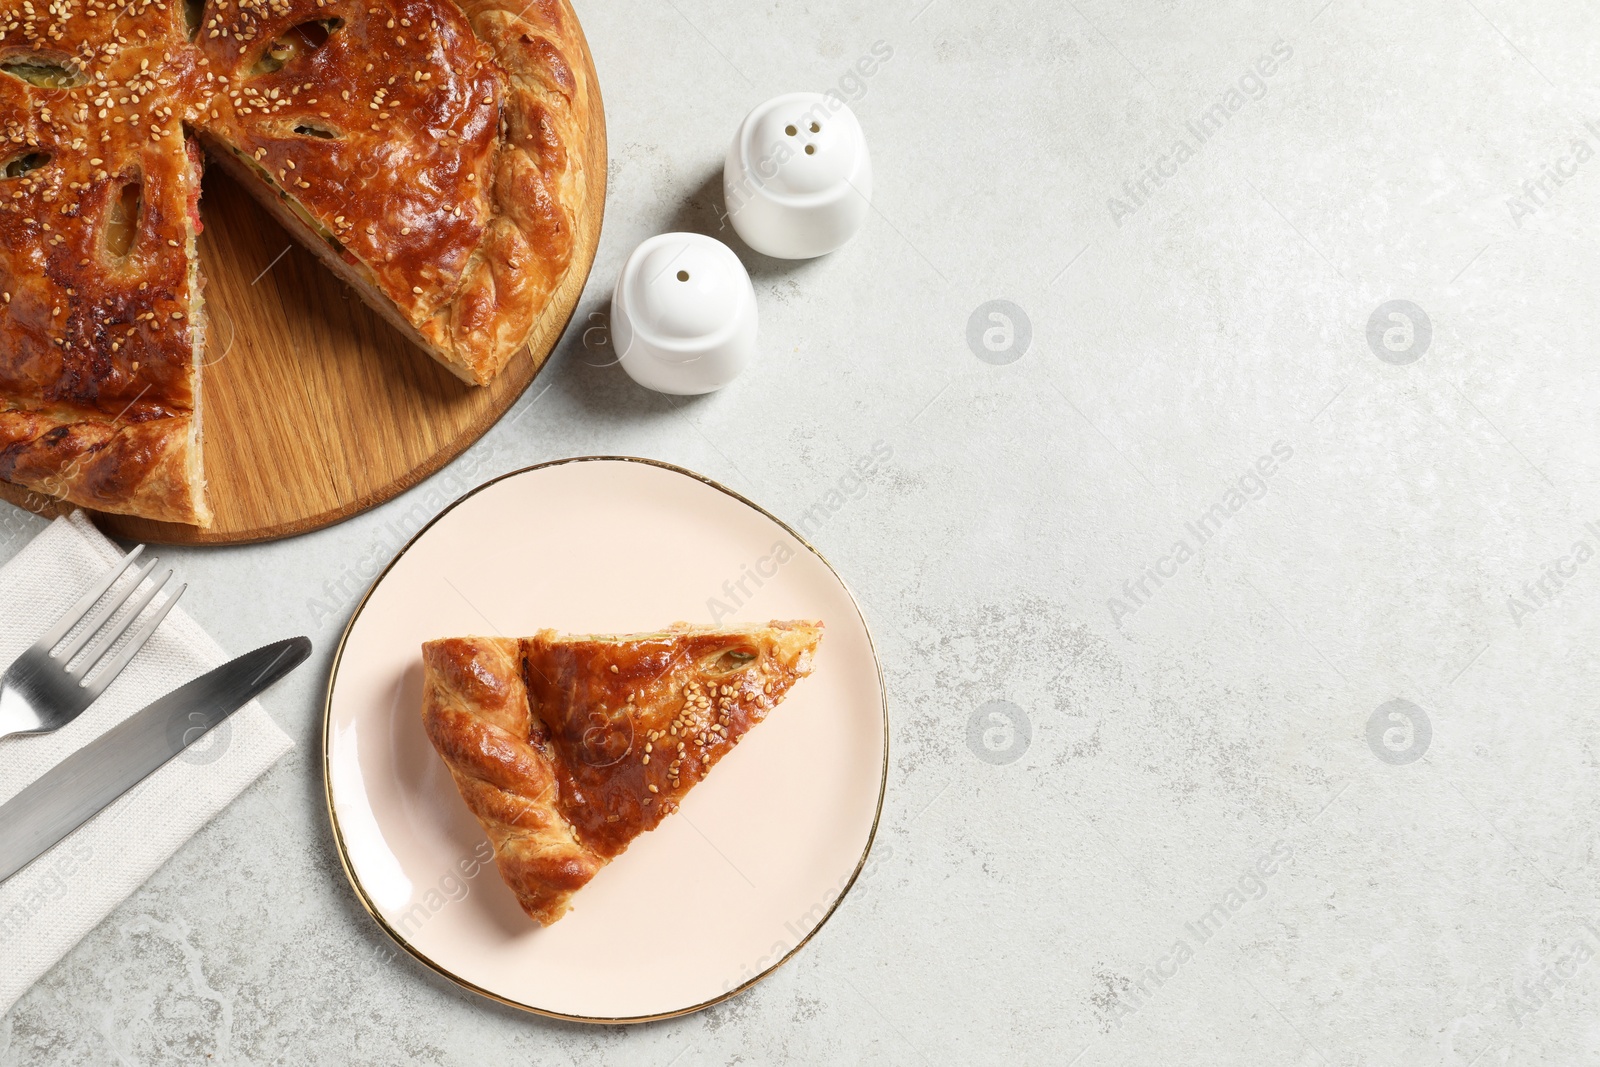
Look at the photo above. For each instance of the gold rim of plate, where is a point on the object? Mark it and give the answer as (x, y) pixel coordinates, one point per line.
(327, 779)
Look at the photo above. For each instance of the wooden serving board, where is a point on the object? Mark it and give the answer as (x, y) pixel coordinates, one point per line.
(315, 408)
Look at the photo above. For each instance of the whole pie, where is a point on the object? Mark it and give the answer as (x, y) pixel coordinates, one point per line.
(430, 153)
(568, 748)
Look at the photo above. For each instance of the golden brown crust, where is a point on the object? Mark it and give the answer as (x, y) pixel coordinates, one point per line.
(438, 150)
(97, 340)
(568, 748)
(383, 132)
(475, 710)
(141, 469)
(542, 179)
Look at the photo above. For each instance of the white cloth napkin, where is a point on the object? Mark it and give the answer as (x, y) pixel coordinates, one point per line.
(48, 906)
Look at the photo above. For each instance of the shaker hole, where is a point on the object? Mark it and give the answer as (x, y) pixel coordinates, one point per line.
(816, 127)
(683, 275)
(811, 149)
(790, 130)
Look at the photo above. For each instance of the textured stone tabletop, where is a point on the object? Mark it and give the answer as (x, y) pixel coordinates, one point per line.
(1233, 566)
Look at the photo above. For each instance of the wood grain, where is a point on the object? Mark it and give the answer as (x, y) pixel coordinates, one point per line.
(315, 408)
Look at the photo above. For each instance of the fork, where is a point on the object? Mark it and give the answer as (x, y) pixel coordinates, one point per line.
(43, 691)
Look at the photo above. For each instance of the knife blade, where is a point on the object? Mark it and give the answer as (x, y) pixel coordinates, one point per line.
(80, 786)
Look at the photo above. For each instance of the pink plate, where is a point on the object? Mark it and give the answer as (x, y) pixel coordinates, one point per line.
(761, 851)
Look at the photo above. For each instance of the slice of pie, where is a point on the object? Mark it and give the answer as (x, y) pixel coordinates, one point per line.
(431, 153)
(568, 748)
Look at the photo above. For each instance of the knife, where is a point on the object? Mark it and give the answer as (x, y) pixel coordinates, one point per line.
(76, 789)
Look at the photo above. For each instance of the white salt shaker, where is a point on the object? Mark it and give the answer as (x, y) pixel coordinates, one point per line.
(798, 180)
(683, 317)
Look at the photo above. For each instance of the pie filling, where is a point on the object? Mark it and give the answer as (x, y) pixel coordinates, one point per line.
(304, 217)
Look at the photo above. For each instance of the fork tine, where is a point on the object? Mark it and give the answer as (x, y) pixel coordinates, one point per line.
(114, 667)
(108, 609)
(108, 637)
(81, 608)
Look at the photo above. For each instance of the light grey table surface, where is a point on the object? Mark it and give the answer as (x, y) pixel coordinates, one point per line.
(1077, 871)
